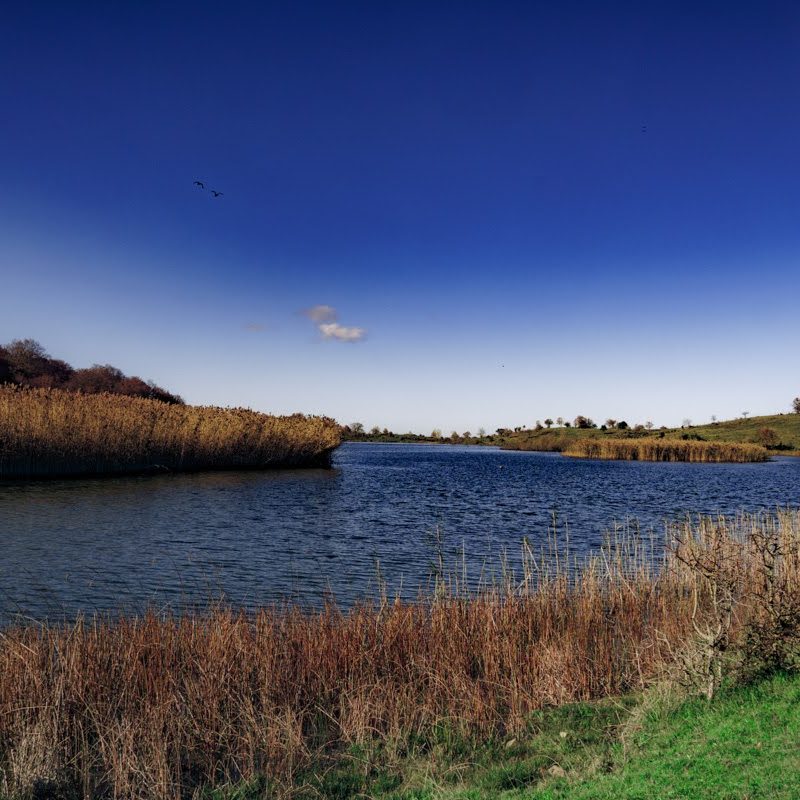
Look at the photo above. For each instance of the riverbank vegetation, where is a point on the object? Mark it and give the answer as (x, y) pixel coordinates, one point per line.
(779, 433)
(319, 703)
(651, 448)
(48, 433)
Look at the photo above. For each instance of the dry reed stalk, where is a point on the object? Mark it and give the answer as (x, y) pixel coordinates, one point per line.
(51, 433)
(161, 706)
(651, 448)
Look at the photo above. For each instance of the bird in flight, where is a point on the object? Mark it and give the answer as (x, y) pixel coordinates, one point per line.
(200, 184)
(216, 193)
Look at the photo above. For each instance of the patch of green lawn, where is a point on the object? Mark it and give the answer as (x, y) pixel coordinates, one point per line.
(745, 745)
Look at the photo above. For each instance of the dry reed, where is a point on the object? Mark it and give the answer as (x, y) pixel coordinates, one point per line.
(161, 707)
(52, 433)
(651, 448)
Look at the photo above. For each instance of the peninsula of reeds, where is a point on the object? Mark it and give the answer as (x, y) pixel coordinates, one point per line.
(652, 448)
(168, 707)
(51, 433)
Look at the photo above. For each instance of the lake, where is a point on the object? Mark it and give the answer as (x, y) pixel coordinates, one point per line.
(255, 537)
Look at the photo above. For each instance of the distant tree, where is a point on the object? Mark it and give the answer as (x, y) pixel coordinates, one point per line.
(768, 437)
(649, 425)
(796, 405)
(481, 432)
(26, 357)
(466, 435)
(436, 433)
(559, 421)
(95, 379)
(31, 365)
(539, 425)
(567, 423)
(604, 427)
(454, 436)
(357, 428)
(744, 414)
(611, 423)
(687, 423)
(713, 419)
(548, 422)
(583, 422)
(5, 367)
(374, 430)
(638, 428)
(622, 425)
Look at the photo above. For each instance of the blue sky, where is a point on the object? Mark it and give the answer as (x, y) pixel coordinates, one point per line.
(532, 210)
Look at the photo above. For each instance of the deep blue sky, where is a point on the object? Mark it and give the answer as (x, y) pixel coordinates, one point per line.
(532, 209)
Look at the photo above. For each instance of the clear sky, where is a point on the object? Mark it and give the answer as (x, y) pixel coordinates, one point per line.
(511, 211)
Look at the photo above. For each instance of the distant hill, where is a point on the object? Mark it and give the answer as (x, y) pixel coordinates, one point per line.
(780, 433)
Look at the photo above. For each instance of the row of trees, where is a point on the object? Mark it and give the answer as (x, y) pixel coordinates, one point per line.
(587, 422)
(24, 362)
(356, 431)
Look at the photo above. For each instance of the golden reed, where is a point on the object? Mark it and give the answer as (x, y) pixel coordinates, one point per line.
(162, 707)
(52, 433)
(651, 448)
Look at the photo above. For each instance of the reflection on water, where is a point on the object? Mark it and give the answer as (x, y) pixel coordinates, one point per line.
(253, 538)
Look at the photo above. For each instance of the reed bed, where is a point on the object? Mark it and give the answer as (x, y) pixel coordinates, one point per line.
(47, 433)
(164, 707)
(651, 448)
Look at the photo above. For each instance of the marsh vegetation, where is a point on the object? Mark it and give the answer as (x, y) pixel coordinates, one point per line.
(47, 433)
(652, 448)
(168, 707)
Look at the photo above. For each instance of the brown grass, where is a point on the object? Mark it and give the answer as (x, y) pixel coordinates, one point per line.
(159, 708)
(651, 448)
(53, 433)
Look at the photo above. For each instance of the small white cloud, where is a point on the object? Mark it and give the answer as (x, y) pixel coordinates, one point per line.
(255, 327)
(320, 314)
(333, 330)
(325, 318)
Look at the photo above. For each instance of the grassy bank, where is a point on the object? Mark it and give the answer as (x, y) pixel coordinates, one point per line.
(162, 707)
(47, 433)
(651, 448)
(780, 433)
(655, 745)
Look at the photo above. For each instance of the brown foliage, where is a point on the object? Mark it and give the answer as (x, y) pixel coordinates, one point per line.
(51, 433)
(25, 362)
(158, 707)
(651, 448)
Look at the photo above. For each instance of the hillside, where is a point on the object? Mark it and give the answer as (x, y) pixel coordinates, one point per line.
(782, 434)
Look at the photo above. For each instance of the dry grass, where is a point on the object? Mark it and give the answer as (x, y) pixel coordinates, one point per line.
(159, 708)
(52, 433)
(651, 448)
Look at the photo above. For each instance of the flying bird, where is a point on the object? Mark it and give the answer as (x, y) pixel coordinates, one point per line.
(200, 184)
(216, 193)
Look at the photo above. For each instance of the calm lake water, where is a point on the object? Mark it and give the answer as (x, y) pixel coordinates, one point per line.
(180, 540)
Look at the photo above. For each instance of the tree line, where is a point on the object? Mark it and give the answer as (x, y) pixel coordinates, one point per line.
(25, 362)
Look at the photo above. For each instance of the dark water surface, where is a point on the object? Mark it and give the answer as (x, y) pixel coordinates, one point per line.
(180, 540)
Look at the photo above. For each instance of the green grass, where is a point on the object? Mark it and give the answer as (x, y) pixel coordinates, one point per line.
(745, 745)
(786, 427)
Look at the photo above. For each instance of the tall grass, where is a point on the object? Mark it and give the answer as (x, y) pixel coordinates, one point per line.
(51, 433)
(160, 707)
(651, 448)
